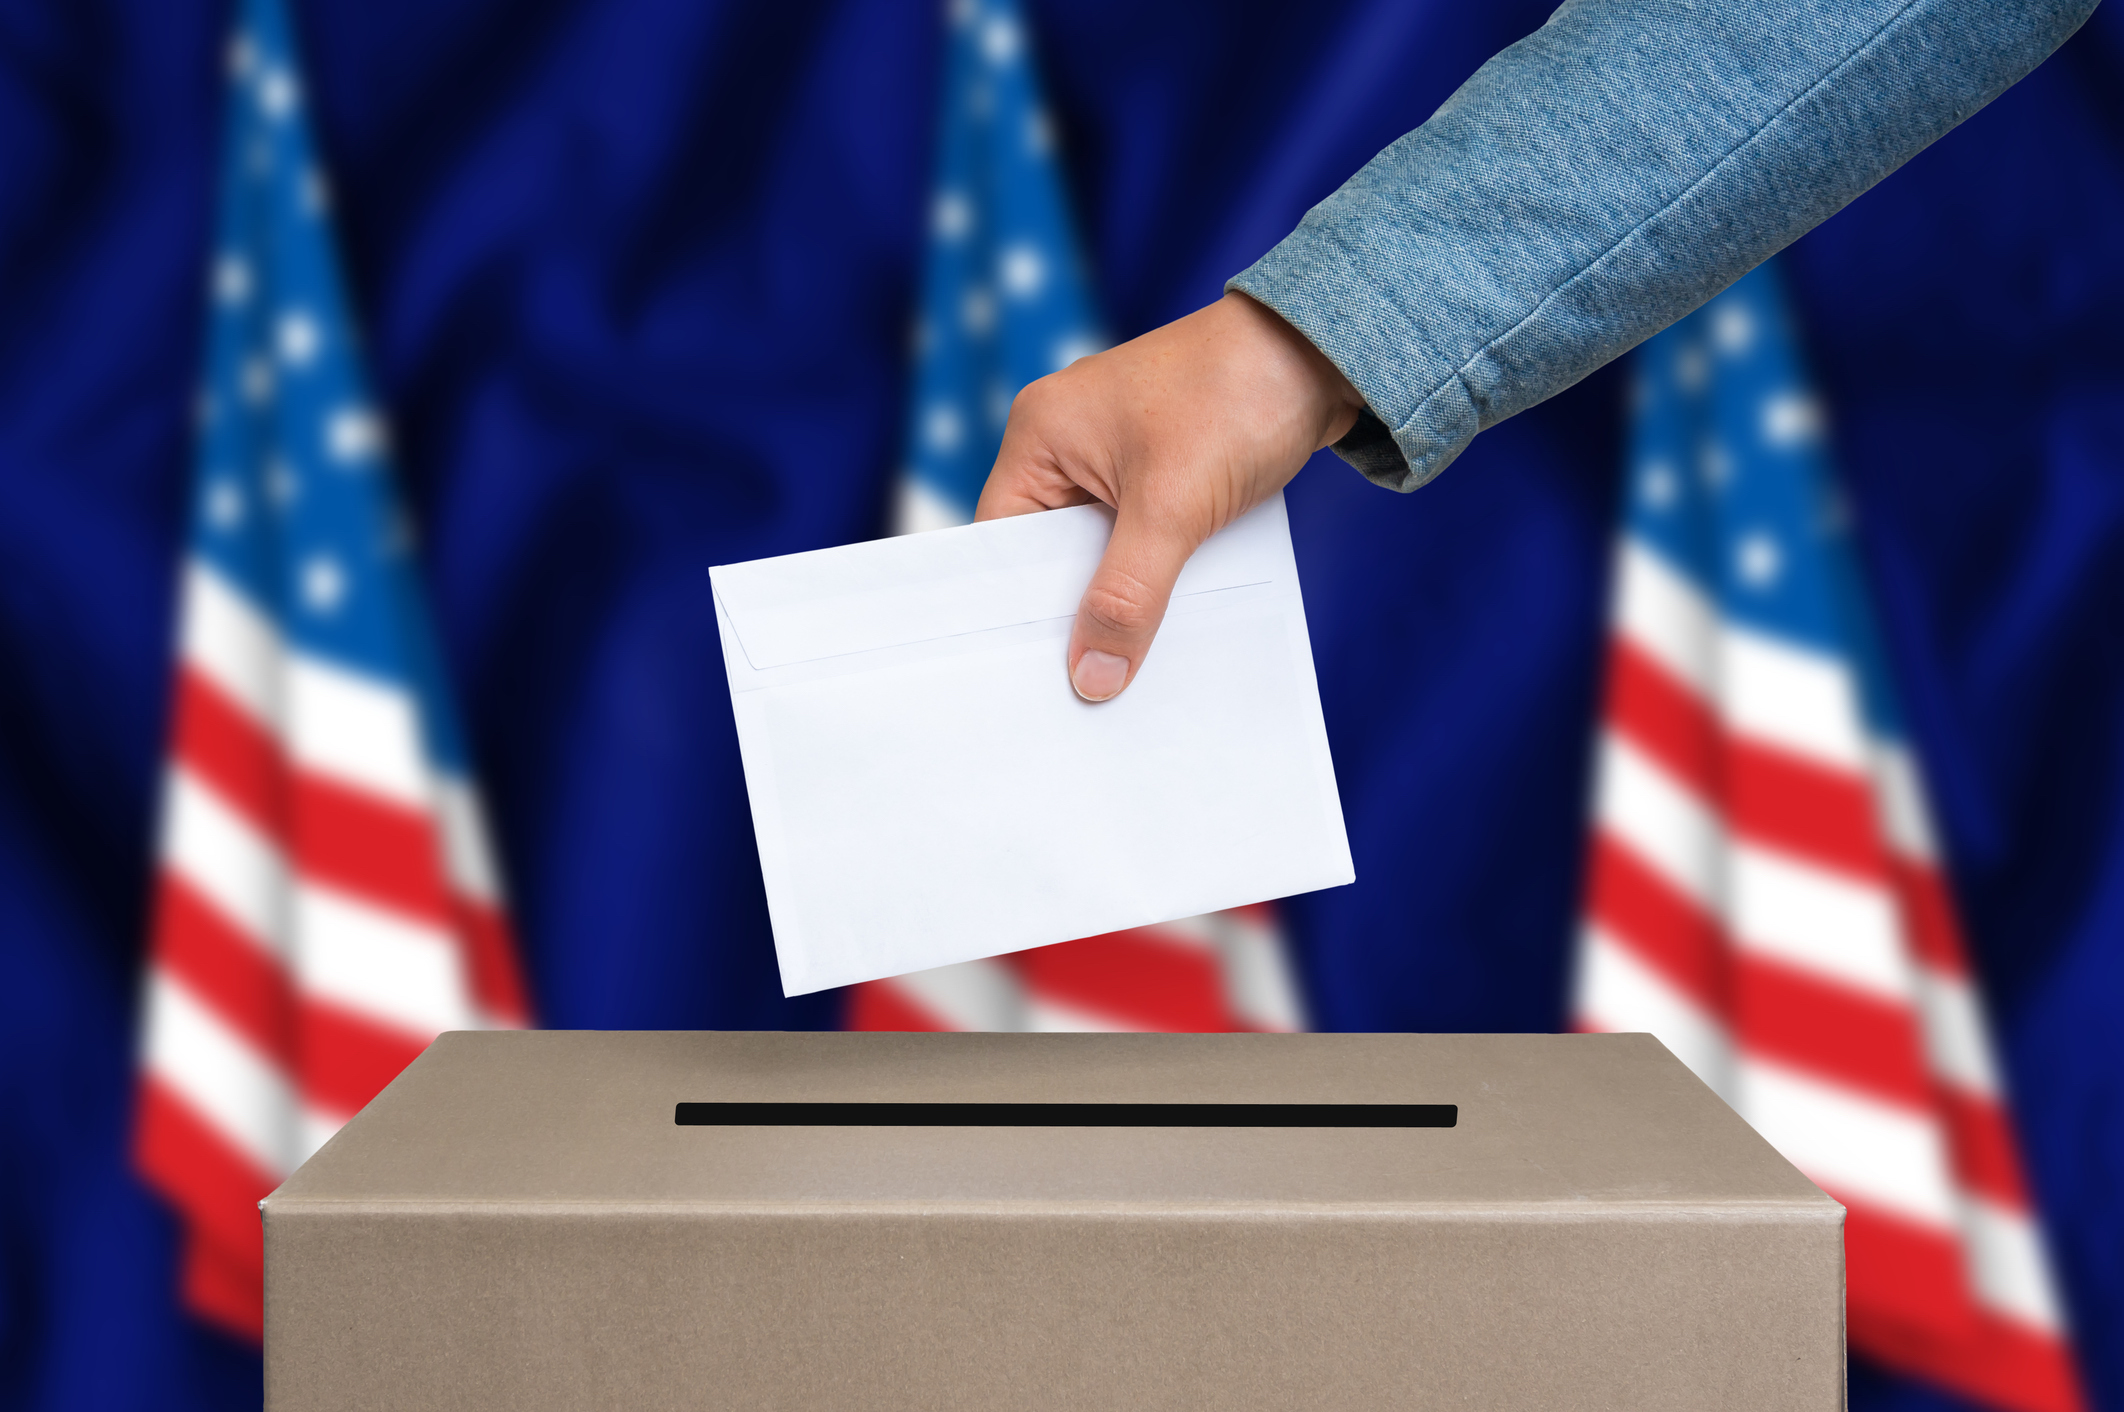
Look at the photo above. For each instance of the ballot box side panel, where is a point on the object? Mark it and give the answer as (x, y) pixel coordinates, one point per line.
(371, 1309)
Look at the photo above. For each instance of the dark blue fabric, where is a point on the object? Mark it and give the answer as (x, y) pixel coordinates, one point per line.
(636, 275)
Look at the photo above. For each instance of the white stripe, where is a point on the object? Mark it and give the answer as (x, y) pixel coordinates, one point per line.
(1859, 1149)
(343, 724)
(2008, 1267)
(1956, 1044)
(917, 509)
(1620, 994)
(231, 642)
(357, 730)
(225, 1081)
(1792, 697)
(971, 995)
(1899, 795)
(1785, 695)
(1666, 616)
(466, 857)
(399, 972)
(216, 850)
(1778, 906)
(1807, 917)
(1660, 820)
(313, 1129)
(1259, 988)
(1045, 1016)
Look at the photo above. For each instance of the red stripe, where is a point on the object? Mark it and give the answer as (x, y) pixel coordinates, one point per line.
(1902, 1275)
(215, 1187)
(338, 1060)
(220, 743)
(376, 850)
(1661, 926)
(1820, 814)
(347, 1058)
(1663, 717)
(881, 1005)
(1929, 916)
(490, 960)
(1765, 793)
(1995, 1361)
(370, 847)
(1850, 1039)
(223, 1290)
(1133, 977)
(247, 988)
(1986, 1159)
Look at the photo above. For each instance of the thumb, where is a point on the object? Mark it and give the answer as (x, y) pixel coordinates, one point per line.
(1125, 603)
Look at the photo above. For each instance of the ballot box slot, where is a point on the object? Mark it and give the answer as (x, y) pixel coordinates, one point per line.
(1069, 1115)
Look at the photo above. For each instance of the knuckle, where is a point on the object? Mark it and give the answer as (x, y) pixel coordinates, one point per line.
(1120, 604)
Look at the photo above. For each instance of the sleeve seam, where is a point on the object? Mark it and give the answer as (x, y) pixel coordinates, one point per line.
(1460, 374)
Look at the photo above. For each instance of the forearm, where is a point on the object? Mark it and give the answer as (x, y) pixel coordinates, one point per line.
(1607, 175)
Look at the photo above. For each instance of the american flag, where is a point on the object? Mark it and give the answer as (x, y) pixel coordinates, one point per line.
(325, 903)
(1765, 890)
(1005, 300)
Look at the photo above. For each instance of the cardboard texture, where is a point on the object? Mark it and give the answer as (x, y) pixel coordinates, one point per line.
(517, 1222)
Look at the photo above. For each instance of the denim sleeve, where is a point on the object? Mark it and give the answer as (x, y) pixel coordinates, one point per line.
(1605, 176)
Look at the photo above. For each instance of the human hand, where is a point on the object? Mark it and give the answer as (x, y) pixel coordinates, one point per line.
(1181, 431)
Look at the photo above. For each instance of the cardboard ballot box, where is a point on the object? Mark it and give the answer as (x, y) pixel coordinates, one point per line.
(996, 1222)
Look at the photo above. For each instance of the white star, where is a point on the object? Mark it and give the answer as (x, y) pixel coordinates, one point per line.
(324, 583)
(298, 337)
(1039, 133)
(963, 11)
(999, 40)
(943, 428)
(224, 505)
(1660, 486)
(242, 55)
(1689, 368)
(280, 483)
(1758, 560)
(1021, 271)
(1714, 465)
(952, 216)
(1070, 347)
(232, 280)
(256, 377)
(977, 311)
(1790, 418)
(316, 192)
(1732, 327)
(278, 93)
(353, 434)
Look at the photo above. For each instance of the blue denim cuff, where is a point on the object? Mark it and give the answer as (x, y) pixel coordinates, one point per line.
(1605, 176)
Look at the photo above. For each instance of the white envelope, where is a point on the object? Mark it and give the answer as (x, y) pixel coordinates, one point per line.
(926, 787)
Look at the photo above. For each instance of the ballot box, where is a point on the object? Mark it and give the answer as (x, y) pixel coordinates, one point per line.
(918, 1221)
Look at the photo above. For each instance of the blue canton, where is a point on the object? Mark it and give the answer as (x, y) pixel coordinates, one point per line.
(1730, 483)
(293, 502)
(1005, 299)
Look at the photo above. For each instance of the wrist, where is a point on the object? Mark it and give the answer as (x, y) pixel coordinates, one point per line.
(1327, 403)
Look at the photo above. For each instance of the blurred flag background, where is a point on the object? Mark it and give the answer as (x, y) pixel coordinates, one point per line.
(325, 902)
(636, 278)
(1005, 299)
(1763, 889)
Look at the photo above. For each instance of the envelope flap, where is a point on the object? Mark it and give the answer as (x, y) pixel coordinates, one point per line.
(946, 583)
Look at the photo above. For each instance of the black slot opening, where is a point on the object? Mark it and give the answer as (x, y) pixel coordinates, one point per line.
(1069, 1115)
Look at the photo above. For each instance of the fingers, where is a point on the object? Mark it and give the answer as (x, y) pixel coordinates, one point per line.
(1126, 602)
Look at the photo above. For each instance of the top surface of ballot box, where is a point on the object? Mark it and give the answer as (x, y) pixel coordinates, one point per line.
(518, 1222)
